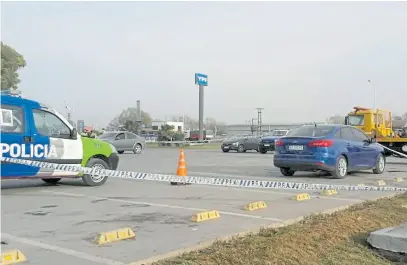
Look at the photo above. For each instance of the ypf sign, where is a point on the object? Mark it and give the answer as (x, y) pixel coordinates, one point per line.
(201, 79)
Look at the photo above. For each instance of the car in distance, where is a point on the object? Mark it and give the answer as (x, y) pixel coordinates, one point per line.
(335, 149)
(124, 141)
(267, 142)
(241, 144)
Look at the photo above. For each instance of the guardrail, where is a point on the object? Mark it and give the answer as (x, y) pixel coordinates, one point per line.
(185, 143)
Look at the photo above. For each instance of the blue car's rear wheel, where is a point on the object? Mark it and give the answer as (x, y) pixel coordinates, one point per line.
(341, 168)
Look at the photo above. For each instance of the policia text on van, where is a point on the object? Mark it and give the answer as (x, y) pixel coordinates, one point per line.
(30, 130)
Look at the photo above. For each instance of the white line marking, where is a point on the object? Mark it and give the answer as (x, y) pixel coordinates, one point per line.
(162, 205)
(65, 251)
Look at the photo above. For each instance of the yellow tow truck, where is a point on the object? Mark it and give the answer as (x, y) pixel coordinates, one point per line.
(378, 124)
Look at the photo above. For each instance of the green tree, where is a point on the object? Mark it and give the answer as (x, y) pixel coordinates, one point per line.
(128, 120)
(11, 62)
(167, 128)
(166, 132)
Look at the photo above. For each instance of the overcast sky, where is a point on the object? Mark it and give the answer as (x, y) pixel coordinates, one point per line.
(299, 61)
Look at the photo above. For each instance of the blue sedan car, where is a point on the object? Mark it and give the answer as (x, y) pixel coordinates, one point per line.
(336, 149)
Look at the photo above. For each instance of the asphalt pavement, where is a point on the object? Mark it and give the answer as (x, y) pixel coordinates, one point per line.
(56, 224)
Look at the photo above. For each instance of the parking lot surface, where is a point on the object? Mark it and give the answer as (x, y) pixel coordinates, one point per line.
(56, 224)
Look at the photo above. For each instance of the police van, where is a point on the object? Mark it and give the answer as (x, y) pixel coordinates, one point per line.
(33, 131)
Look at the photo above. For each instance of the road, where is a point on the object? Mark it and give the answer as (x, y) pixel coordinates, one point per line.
(52, 224)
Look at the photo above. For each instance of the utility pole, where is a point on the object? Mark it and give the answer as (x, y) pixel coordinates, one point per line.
(374, 94)
(259, 121)
(252, 128)
(70, 115)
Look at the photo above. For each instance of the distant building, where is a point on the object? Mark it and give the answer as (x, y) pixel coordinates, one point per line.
(398, 124)
(178, 125)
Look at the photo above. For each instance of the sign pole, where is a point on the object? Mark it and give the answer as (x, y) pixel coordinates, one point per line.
(201, 111)
(202, 81)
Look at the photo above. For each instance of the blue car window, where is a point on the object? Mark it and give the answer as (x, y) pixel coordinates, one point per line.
(311, 131)
(338, 134)
(346, 134)
(12, 119)
(360, 136)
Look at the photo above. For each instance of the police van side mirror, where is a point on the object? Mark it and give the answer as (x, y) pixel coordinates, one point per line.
(74, 134)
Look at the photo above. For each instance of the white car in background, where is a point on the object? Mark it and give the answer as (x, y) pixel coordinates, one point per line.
(125, 141)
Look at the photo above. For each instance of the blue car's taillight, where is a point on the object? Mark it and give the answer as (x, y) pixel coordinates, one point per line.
(320, 143)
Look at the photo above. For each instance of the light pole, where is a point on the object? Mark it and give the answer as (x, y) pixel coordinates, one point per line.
(374, 94)
(259, 121)
(252, 127)
(70, 114)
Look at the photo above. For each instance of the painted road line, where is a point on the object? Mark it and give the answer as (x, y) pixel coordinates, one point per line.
(65, 251)
(162, 205)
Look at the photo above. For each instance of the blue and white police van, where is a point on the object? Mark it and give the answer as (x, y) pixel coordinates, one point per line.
(33, 131)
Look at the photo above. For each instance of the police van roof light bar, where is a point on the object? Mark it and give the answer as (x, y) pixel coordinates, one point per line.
(11, 92)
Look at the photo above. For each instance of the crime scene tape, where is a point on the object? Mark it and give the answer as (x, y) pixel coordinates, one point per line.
(391, 150)
(229, 182)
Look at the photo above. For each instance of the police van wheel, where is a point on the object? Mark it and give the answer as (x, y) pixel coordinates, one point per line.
(96, 180)
(51, 181)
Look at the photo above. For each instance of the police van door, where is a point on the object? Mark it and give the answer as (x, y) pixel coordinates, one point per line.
(54, 136)
(15, 139)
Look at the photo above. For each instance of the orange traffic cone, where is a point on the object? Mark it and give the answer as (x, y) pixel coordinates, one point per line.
(182, 167)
